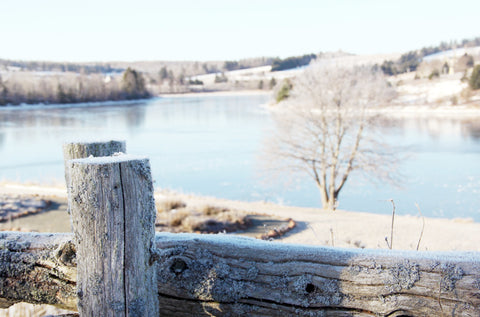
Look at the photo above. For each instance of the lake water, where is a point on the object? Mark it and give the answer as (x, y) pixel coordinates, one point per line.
(210, 145)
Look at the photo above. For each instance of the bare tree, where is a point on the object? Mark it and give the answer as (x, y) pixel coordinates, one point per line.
(322, 129)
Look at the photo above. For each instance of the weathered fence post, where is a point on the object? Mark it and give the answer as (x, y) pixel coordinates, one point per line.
(113, 215)
(76, 150)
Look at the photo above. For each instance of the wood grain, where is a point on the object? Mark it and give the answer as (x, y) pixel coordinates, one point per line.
(113, 216)
(202, 275)
(77, 150)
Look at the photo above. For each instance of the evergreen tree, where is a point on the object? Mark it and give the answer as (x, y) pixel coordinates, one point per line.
(3, 93)
(284, 91)
(133, 84)
(475, 78)
(163, 74)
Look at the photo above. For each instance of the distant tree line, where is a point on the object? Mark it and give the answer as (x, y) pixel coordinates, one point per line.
(30, 88)
(444, 46)
(410, 60)
(279, 64)
(247, 63)
(165, 74)
(36, 66)
(232, 65)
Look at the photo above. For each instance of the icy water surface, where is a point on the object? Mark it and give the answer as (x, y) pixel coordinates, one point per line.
(209, 145)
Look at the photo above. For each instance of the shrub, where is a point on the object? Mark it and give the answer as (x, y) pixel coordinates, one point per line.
(409, 61)
(470, 62)
(227, 221)
(284, 91)
(195, 82)
(221, 79)
(434, 73)
(260, 85)
(445, 68)
(474, 81)
(389, 68)
(464, 62)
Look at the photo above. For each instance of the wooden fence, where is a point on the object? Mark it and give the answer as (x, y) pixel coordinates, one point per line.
(115, 265)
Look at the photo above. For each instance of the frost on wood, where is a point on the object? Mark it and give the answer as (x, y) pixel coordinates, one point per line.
(219, 274)
(222, 275)
(451, 273)
(77, 150)
(402, 276)
(33, 269)
(113, 215)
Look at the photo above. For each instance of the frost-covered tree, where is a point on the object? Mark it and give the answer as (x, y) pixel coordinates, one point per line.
(321, 129)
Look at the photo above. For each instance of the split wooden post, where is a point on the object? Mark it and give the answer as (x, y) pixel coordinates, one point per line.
(113, 214)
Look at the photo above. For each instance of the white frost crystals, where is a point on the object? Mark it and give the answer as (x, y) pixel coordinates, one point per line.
(325, 128)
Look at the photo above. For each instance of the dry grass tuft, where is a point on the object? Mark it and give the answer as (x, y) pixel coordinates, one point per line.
(174, 217)
(170, 204)
(178, 217)
(228, 221)
(210, 210)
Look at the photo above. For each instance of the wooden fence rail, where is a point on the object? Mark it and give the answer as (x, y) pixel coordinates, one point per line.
(114, 264)
(198, 275)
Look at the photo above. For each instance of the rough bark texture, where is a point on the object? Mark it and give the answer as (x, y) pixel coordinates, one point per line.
(113, 216)
(227, 275)
(37, 268)
(204, 275)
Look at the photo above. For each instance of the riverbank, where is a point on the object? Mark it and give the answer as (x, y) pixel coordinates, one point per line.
(217, 93)
(397, 110)
(314, 226)
(25, 106)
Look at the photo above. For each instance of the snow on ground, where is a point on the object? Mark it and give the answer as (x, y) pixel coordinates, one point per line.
(423, 91)
(453, 53)
(318, 227)
(264, 73)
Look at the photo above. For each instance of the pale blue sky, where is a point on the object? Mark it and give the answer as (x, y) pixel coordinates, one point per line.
(96, 30)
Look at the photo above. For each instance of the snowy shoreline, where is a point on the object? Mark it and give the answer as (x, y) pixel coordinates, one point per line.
(319, 227)
(398, 110)
(468, 111)
(24, 106)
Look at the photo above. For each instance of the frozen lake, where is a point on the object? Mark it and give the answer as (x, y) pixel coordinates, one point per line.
(210, 145)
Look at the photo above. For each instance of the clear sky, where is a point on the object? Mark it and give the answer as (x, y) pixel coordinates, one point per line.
(103, 30)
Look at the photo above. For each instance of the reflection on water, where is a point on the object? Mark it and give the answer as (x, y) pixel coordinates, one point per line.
(472, 128)
(466, 129)
(135, 117)
(209, 145)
